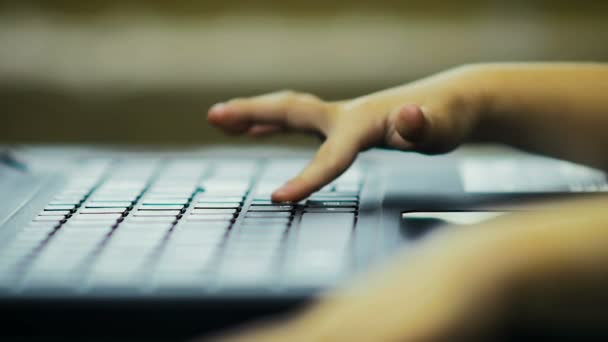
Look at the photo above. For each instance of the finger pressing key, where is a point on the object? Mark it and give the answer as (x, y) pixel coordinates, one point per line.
(336, 154)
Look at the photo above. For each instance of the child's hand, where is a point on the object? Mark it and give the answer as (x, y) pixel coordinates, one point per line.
(432, 115)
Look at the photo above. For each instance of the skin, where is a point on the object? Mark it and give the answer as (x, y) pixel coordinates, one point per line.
(539, 268)
(535, 107)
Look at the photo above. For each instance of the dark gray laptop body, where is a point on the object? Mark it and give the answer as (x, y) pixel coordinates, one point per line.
(107, 268)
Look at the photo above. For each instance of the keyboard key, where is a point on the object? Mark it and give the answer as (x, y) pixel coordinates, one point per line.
(268, 214)
(186, 258)
(113, 198)
(138, 235)
(334, 198)
(260, 243)
(254, 226)
(252, 230)
(342, 193)
(40, 226)
(116, 193)
(89, 224)
(172, 188)
(87, 211)
(200, 228)
(161, 207)
(232, 187)
(64, 202)
(240, 251)
(96, 217)
(213, 211)
(262, 202)
(37, 235)
(271, 208)
(226, 192)
(221, 225)
(151, 219)
(56, 218)
(146, 226)
(166, 201)
(332, 204)
(343, 188)
(55, 213)
(68, 198)
(203, 241)
(157, 213)
(72, 230)
(101, 204)
(62, 207)
(213, 217)
(206, 198)
(163, 196)
(168, 195)
(330, 210)
(265, 220)
(224, 187)
(217, 205)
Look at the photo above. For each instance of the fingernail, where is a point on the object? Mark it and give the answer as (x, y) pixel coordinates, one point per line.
(218, 107)
(283, 191)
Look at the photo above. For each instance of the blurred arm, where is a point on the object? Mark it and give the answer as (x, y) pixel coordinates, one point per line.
(541, 272)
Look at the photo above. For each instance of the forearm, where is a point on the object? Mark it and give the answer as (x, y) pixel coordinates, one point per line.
(558, 109)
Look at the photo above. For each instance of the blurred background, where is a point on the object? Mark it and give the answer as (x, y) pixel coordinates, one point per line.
(145, 71)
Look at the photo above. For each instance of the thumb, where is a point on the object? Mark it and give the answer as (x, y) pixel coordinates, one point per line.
(411, 124)
(429, 130)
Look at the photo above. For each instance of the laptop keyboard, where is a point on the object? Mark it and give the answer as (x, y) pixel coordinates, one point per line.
(156, 224)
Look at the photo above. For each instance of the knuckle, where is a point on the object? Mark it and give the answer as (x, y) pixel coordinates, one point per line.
(289, 95)
(308, 97)
(303, 109)
(285, 99)
(331, 113)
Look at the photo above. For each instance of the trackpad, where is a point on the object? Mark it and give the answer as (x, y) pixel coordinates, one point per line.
(416, 224)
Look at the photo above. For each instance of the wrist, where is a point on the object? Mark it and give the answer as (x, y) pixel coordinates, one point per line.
(468, 98)
(480, 91)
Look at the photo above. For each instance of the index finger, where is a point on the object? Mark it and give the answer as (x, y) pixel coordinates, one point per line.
(287, 109)
(335, 155)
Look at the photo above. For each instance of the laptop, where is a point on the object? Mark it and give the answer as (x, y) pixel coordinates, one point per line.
(181, 242)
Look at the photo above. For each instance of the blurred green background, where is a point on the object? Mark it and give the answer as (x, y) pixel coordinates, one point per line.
(146, 71)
